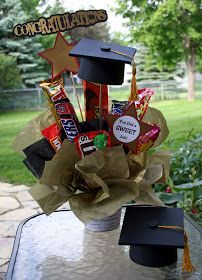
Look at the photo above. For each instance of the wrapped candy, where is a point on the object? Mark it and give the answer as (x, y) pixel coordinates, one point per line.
(53, 134)
(89, 142)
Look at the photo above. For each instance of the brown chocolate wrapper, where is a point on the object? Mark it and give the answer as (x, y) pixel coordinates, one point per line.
(32, 132)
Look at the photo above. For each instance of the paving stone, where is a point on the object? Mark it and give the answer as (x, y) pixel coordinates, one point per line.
(30, 204)
(2, 276)
(8, 203)
(8, 229)
(2, 211)
(6, 245)
(3, 269)
(24, 196)
(18, 214)
(4, 186)
(3, 262)
(8, 188)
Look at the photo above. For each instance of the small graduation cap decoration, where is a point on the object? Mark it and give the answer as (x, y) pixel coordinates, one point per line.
(154, 234)
(102, 62)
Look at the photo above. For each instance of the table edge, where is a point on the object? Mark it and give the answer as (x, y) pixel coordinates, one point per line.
(13, 257)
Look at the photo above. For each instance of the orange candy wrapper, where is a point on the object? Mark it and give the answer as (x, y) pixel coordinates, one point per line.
(91, 95)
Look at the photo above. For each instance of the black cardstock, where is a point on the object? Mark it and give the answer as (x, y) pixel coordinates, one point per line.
(60, 22)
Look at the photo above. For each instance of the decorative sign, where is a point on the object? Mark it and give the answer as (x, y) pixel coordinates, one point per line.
(59, 57)
(127, 128)
(60, 22)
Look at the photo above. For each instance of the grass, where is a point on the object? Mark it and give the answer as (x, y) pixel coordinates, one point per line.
(182, 116)
(12, 169)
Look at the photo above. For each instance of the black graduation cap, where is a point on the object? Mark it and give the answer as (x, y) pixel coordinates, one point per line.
(37, 153)
(101, 62)
(151, 242)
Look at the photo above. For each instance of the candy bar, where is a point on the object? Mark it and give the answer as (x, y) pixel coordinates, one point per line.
(68, 118)
(91, 96)
(89, 142)
(54, 91)
(147, 140)
(53, 134)
(118, 106)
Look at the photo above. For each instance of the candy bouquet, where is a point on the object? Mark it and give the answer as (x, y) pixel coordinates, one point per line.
(101, 162)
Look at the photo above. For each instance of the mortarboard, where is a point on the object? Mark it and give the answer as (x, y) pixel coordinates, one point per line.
(152, 242)
(101, 62)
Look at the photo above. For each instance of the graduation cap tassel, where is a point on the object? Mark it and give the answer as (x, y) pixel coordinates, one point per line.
(133, 90)
(187, 265)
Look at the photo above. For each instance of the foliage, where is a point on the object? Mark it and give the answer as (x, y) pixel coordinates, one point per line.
(186, 162)
(185, 188)
(23, 49)
(171, 29)
(149, 70)
(9, 73)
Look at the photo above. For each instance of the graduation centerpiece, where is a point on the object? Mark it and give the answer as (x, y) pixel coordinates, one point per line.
(102, 162)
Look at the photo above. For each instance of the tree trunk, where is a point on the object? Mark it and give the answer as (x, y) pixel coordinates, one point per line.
(191, 62)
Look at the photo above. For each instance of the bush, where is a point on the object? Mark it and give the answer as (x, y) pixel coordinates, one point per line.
(9, 73)
(186, 162)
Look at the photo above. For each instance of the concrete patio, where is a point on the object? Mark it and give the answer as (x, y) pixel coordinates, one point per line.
(16, 204)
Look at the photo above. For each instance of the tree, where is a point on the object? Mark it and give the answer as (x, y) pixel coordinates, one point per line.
(172, 29)
(24, 50)
(9, 73)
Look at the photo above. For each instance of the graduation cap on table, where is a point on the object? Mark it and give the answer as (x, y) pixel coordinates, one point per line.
(154, 234)
(101, 62)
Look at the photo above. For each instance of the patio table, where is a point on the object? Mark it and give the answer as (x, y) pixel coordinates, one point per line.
(59, 247)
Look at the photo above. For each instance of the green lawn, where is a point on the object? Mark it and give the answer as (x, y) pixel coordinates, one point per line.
(181, 115)
(11, 167)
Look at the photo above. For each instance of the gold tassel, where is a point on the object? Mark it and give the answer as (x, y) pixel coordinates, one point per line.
(187, 265)
(133, 90)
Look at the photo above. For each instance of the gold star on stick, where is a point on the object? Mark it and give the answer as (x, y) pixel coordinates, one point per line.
(59, 57)
(126, 129)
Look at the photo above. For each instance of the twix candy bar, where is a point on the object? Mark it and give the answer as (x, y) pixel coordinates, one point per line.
(54, 91)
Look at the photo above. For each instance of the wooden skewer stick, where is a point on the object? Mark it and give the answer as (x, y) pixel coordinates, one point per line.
(100, 108)
(77, 97)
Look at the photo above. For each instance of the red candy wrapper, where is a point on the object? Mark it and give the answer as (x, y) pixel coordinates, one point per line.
(147, 140)
(142, 103)
(89, 142)
(68, 117)
(91, 96)
(53, 134)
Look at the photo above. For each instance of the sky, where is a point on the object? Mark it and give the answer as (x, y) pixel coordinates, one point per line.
(115, 21)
